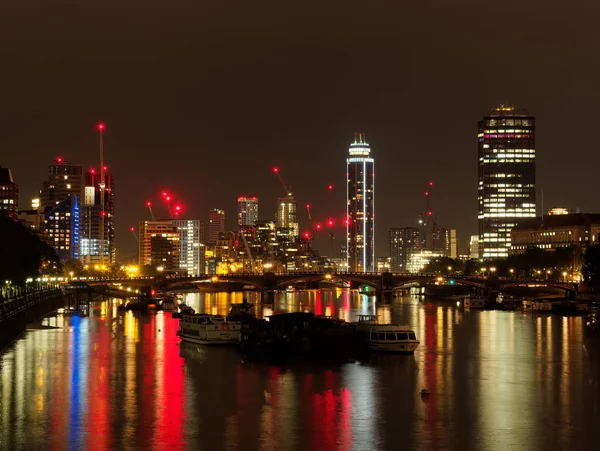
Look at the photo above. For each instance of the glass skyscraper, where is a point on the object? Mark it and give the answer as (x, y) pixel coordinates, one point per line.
(360, 209)
(247, 211)
(506, 190)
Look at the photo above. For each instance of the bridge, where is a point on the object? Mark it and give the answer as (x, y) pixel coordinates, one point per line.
(383, 283)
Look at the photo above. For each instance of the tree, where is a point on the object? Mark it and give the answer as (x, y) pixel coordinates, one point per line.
(22, 254)
(591, 265)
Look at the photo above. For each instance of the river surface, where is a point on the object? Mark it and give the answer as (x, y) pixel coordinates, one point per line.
(115, 380)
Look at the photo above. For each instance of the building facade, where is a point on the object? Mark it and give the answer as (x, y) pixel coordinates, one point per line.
(552, 232)
(159, 244)
(191, 248)
(247, 211)
(360, 209)
(506, 191)
(97, 235)
(9, 194)
(403, 242)
(216, 225)
(287, 218)
(64, 180)
(62, 226)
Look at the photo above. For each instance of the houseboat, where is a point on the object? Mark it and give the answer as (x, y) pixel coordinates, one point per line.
(208, 329)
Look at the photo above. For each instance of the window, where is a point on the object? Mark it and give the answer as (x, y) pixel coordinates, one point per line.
(411, 336)
(390, 336)
(402, 335)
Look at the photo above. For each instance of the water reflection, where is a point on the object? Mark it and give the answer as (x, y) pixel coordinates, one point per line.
(116, 380)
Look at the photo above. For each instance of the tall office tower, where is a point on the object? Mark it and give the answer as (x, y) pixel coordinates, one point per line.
(403, 243)
(9, 194)
(61, 223)
(191, 249)
(64, 180)
(97, 247)
(506, 191)
(216, 225)
(287, 218)
(360, 210)
(247, 211)
(159, 244)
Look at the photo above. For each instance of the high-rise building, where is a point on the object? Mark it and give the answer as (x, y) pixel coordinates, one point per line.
(216, 225)
(506, 191)
(247, 211)
(62, 223)
(159, 244)
(64, 180)
(97, 243)
(191, 249)
(474, 247)
(9, 194)
(403, 243)
(360, 211)
(287, 218)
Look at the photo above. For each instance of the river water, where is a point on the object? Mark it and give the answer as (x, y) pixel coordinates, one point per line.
(114, 380)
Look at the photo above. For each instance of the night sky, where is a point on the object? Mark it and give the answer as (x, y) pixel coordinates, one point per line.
(205, 97)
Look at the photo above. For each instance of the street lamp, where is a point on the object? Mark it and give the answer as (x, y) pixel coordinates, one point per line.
(512, 272)
(492, 270)
(564, 276)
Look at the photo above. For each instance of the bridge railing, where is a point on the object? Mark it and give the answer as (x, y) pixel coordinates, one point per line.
(15, 299)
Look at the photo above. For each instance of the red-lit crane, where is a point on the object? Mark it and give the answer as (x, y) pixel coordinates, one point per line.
(149, 205)
(102, 188)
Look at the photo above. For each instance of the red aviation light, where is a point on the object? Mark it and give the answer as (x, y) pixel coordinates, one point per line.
(105, 168)
(59, 160)
(178, 208)
(168, 198)
(318, 226)
(306, 235)
(330, 222)
(92, 171)
(132, 229)
(307, 205)
(427, 193)
(276, 170)
(430, 183)
(148, 204)
(330, 187)
(429, 213)
(100, 126)
(165, 194)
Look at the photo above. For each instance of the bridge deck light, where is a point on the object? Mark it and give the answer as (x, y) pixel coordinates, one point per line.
(328, 276)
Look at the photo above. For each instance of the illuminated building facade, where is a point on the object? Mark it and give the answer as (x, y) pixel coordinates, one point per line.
(555, 231)
(216, 225)
(9, 194)
(191, 249)
(247, 211)
(506, 190)
(159, 244)
(403, 242)
(61, 223)
(360, 210)
(287, 218)
(97, 243)
(64, 180)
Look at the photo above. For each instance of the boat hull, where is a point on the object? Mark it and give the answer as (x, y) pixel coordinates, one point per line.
(209, 341)
(400, 347)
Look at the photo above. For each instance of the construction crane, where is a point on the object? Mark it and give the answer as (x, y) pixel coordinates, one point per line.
(149, 205)
(426, 217)
(288, 189)
(248, 251)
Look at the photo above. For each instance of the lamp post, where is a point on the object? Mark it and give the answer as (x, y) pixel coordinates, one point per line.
(512, 272)
(564, 274)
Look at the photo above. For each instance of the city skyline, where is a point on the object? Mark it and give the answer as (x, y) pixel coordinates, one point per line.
(157, 137)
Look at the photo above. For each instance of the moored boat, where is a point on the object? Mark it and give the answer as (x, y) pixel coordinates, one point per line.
(208, 329)
(386, 337)
(474, 302)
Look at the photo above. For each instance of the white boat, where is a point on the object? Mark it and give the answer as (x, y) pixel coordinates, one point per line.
(475, 303)
(386, 337)
(208, 329)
